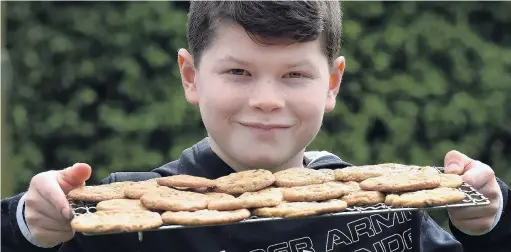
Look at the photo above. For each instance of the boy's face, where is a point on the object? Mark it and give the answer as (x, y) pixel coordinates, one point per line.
(261, 105)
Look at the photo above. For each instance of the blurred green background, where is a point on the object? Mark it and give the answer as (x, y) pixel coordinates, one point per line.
(98, 82)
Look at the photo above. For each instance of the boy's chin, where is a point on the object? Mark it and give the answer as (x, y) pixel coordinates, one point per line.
(264, 160)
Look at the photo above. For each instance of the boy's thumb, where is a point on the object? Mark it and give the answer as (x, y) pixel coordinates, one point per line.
(74, 176)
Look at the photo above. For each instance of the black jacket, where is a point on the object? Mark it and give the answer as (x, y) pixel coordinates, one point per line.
(401, 231)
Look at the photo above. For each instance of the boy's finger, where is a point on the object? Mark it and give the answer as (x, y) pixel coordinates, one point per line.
(479, 175)
(52, 193)
(41, 220)
(74, 176)
(45, 207)
(472, 213)
(456, 162)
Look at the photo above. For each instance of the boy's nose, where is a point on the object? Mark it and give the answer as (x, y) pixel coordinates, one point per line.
(266, 97)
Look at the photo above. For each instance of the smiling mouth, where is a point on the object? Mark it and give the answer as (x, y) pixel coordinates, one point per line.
(262, 126)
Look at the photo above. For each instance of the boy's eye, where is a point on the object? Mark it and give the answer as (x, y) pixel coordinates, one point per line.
(294, 75)
(238, 71)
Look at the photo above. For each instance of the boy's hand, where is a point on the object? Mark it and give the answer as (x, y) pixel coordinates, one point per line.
(47, 212)
(474, 220)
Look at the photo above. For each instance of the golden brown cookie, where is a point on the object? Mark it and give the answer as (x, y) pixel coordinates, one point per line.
(364, 198)
(390, 199)
(391, 166)
(201, 189)
(244, 181)
(359, 173)
(330, 175)
(331, 205)
(136, 190)
(187, 181)
(265, 198)
(301, 209)
(430, 169)
(401, 182)
(317, 192)
(299, 177)
(198, 190)
(99, 192)
(204, 217)
(450, 180)
(216, 195)
(398, 169)
(425, 198)
(174, 200)
(223, 202)
(116, 221)
(226, 204)
(351, 186)
(120, 205)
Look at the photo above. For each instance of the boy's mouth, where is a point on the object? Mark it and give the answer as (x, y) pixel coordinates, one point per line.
(264, 126)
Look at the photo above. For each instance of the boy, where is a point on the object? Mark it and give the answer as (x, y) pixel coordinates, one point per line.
(262, 74)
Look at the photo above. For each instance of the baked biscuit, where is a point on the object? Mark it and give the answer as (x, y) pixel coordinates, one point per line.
(427, 169)
(226, 204)
(359, 173)
(351, 186)
(244, 181)
(99, 192)
(412, 168)
(201, 189)
(120, 205)
(268, 197)
(187, 181)
(135, 191)
(301, 209)
(198, 190)
(450, 180)
(204, 217)
(402, 182)
(216, 195)
(116, 221)
(223, 202)
(331, 205)
(364, 198)
(265, 198)
(317, 192)
(425, 198)
(174, 200)
(330, 175)
(299, 177)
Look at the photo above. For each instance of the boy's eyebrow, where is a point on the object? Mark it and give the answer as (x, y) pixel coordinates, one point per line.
(233, 59)
(300, 63)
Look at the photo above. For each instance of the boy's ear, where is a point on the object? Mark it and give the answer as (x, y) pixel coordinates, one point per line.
(187, 70)
(334, 83)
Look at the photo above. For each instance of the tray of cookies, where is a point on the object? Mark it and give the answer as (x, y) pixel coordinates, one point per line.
(185, 201)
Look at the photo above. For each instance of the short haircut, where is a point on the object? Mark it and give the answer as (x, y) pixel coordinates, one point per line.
(267, 23)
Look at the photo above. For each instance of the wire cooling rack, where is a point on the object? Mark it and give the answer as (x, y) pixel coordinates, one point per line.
(472, 198)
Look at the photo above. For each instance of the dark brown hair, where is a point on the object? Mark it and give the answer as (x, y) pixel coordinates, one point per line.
(267, 22)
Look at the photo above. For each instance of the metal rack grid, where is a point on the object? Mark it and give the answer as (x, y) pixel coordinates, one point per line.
(472, 198)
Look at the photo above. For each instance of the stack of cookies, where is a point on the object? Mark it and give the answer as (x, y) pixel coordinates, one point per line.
(291, 193)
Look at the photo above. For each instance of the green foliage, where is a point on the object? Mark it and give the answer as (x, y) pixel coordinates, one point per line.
(98, 82)
(422, 79)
